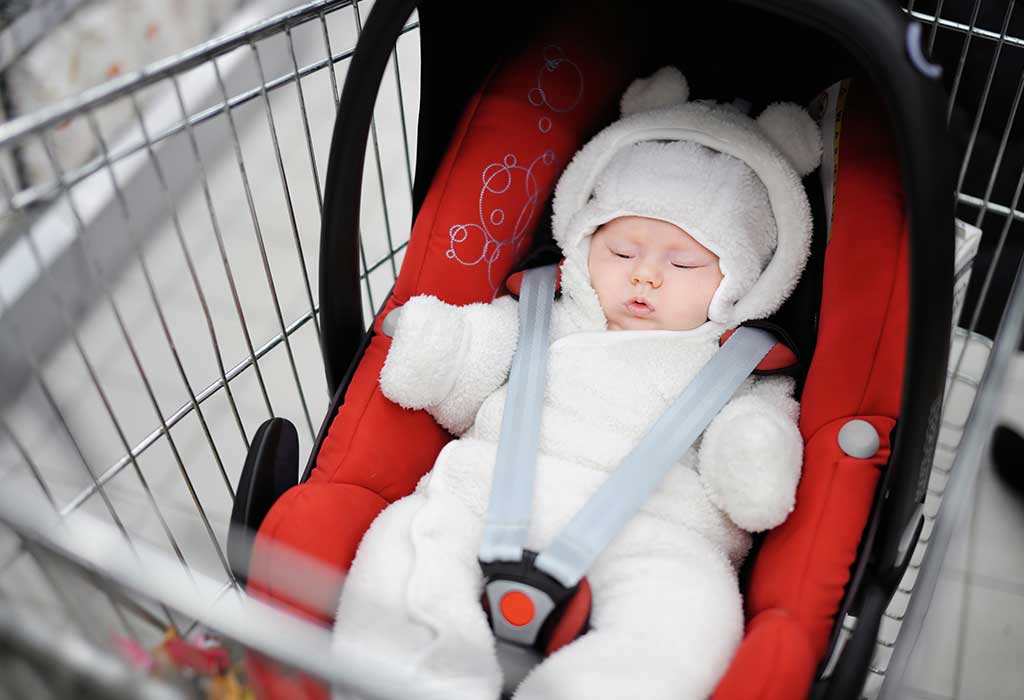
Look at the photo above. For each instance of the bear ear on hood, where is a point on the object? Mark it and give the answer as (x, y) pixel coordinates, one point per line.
(665, 88)
(793, 132)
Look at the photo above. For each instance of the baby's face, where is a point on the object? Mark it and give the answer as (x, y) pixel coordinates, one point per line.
(651, 275)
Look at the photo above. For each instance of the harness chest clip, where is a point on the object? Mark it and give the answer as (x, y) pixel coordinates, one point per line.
(529, 608)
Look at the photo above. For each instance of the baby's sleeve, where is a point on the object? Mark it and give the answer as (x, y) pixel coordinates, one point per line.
(447, 359)
(751, 455)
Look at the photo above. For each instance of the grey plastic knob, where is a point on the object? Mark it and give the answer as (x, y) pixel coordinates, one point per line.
(859, 439)
(391, 323)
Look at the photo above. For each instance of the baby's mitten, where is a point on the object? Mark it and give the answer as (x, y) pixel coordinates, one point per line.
(750, 460)
(426, 336)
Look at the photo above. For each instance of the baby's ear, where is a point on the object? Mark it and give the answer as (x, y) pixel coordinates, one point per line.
(793, 132)
(666, 87)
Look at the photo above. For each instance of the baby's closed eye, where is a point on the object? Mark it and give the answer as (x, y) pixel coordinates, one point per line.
(621, 251)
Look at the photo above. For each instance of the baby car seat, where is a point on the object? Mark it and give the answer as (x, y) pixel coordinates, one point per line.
(504, 105)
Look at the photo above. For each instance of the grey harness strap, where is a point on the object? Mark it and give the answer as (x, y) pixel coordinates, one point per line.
(575, 548)
(626, 490)
(508, 513)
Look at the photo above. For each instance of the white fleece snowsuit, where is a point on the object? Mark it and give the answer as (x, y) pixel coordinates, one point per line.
(667, 613)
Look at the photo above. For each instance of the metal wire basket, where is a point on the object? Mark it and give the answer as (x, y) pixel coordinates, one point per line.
(156, 305)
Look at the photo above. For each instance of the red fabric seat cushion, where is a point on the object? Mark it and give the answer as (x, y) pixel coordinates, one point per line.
(465, 239)
(801, 570)
(774, 658)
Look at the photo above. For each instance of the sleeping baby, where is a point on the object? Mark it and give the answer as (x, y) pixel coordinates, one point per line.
(677, 223)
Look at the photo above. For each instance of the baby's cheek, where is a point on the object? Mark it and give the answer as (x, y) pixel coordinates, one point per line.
(599, 281)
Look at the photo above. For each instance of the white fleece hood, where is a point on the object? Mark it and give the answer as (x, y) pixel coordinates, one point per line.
(730, 181)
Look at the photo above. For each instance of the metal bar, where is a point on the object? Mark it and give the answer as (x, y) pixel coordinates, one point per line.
(263, 249)
(51, 401)
(37, 374)
(220, 594)
(38, 558)
(47, 146)
(983, 295)
(23, 30)
(175, 417)
(330, 71)
(119, 614)
(380, 172)
(121, 435)
(97, 278)
(95, 380)
(158, 171)
(994, 208)
(963, 57)
(82, 668)
(224, 258)
(383, 260)
(401, 114)
(963, 29)
(227, 268)
(44, 192)
(24, 548)
(291, 640)
(197, 286)
(130, 83)
(1001, 151)
(73, 611)
(366, 273)
(47, 192)
(139, 611)
(984, 97)
(284, 181)
(312, 165)
(935, 27)
(36, 474)
(337, 104)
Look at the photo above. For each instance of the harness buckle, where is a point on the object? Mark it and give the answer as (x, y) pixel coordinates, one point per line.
(530, 608)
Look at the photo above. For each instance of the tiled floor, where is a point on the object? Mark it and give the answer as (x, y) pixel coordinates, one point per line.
(972, 646)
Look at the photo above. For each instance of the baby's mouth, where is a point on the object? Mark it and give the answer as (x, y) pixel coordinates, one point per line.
(639, 307)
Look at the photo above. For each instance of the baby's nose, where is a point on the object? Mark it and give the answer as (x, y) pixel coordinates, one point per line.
(646, 273)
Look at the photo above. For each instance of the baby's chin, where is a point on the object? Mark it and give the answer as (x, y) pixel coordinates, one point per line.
(631, 323)
(634, 324)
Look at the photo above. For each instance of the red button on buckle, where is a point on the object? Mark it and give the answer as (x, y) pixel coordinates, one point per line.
(517, 608)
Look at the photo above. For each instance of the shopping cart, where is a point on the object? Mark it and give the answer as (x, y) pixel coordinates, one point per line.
(124, 427)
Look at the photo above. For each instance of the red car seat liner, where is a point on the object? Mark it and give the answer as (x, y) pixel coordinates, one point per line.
(800, 573)
(375, 451)
(513, 140)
